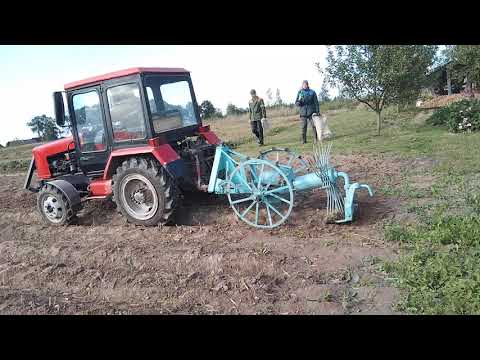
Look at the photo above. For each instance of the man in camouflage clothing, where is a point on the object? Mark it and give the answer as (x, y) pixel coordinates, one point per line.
(256, 112)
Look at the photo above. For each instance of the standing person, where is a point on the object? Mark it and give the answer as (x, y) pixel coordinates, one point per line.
(256, 112)
(308, 102)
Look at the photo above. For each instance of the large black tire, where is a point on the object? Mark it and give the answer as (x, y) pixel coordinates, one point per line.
(54, 207)
(155, 178)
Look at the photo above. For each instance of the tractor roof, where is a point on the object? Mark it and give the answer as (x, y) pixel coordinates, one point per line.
(120, 73)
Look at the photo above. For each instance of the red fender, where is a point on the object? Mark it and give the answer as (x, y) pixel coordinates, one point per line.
(164, 153)
(209, 135)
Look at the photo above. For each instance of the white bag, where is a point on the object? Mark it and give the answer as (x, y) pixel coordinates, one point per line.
(265, 125)
(321, 127)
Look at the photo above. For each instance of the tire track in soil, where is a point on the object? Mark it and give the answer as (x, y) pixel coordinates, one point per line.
(210, 264)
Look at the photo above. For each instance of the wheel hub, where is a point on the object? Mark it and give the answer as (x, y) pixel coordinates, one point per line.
(265, 199)
(258, 195)
(52, 208)
(138, 196)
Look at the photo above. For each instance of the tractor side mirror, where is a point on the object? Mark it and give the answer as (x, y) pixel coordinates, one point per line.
(59, 108)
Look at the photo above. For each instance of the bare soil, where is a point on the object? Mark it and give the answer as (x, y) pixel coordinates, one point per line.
(210, 263)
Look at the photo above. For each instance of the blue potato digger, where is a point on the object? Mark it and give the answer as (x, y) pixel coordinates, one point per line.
(261, 190)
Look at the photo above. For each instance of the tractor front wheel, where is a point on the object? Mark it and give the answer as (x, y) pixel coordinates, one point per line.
(144, 193)
(54, 206)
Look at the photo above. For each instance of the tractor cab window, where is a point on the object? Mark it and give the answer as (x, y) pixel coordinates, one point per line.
(89, 120)
(151, 100)
(126, 112)
(171, 104)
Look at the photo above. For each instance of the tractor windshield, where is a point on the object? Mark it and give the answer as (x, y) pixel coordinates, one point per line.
(170, 99)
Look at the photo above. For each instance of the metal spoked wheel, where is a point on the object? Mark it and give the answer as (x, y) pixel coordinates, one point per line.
(286, 157)
(262, 195)
(138, 196)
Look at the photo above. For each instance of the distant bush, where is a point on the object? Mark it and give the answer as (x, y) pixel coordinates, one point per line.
(272, 112)
(338, 103)
(234, 110)
(462, 116)
(282, 110)
(14, 165)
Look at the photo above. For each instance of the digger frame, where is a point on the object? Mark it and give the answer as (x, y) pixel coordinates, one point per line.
(264, 183)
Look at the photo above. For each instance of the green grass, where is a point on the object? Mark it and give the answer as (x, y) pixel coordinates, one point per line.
(439, 270)
(441, 273)
(15, 158)
(354, 132)
(16, 152)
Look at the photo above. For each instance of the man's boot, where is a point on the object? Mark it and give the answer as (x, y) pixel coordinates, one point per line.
(304, 129)
(260, 133)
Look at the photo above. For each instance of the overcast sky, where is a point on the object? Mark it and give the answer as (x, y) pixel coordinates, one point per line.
(221, 74)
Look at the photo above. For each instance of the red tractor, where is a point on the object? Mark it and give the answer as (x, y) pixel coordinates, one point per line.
(137, 138)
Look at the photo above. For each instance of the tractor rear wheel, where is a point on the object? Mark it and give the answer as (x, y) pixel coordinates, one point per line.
(144, 193)
(54, 206)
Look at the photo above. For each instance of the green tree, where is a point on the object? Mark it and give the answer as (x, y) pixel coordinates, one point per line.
(278, 99)
(379, 75)
(323, 95)
(37, 125)
(269, 96)
(207, 109)
(233, 110)
(444, 55)
(45, 127)
(66, 129)
(466, 62)
(218, 113)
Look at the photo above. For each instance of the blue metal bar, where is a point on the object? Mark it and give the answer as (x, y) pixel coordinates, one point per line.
(223, 161)
(279, 198)
(269, 216)
(215, 169)
(279, 190)
(251, 205)
(307, 182)
(243, 200)
(274, 209)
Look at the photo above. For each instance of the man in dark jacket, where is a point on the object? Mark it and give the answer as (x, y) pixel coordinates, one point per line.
(256, 112)
(308, 102)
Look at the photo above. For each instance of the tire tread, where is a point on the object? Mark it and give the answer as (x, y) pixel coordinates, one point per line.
(156, 172)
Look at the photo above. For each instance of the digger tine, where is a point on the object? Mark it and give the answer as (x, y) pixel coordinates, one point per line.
(329, 196)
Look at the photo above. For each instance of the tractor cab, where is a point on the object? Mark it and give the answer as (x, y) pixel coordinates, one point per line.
(125, 109)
